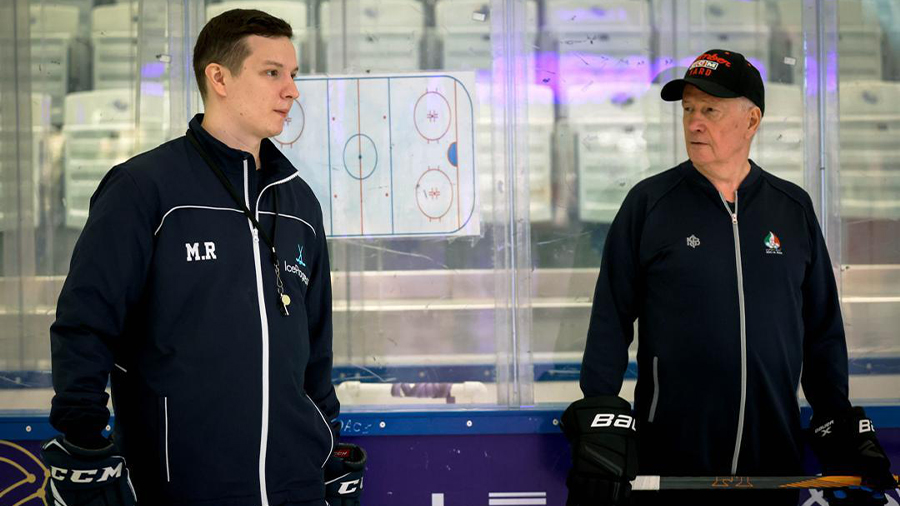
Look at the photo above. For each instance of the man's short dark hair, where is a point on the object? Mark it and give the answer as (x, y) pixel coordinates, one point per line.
(223, 40)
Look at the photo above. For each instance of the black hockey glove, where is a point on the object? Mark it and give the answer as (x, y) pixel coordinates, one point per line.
(85, 477)
(344, 475)
(847, 445)
(602, 433)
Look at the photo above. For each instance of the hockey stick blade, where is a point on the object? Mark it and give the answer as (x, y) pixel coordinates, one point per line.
(742, 482)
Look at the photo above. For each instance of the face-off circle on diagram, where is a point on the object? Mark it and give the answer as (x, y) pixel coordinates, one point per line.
(293, 126)
(432, 116)
(434, 194)
(360, 156)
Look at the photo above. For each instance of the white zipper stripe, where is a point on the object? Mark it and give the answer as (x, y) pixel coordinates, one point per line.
(331, 434)
(192, 207)
(282, 215)
(264, 322)
(743, 319)
(166, 431)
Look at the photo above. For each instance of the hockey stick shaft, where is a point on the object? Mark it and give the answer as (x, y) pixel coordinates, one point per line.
(742, 482)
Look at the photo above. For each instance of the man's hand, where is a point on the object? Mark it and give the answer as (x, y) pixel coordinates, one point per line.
(86, 477)
(847, 445)
(602, 433)
(344, 475)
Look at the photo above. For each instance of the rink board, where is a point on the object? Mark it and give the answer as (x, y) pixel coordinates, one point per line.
(456, 458)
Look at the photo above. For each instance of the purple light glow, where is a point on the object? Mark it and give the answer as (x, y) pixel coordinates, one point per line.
(593, 14)
(152, 89)
(153, 70)
(589, 77)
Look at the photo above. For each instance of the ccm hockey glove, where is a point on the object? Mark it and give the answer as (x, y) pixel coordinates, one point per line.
(603, 437)
(344, 475)
(847, 445)
(85, 477)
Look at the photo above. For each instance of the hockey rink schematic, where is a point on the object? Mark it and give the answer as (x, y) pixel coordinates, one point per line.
(387, 155)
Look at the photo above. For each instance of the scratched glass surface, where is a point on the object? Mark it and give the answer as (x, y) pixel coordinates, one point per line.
(565, 118)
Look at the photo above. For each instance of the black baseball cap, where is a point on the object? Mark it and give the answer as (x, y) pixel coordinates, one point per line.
(721, 73)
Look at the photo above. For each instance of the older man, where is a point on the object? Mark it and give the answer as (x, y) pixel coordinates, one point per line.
(726, 270)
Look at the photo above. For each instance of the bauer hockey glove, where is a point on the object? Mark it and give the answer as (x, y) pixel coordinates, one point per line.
(344, 475)
(85, 477)
(847, 445)
(603, 437)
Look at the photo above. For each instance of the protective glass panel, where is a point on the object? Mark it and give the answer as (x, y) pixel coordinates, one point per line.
(606, 62)
(399, 129)
(515, 128)
(869, 192)
(414, 129)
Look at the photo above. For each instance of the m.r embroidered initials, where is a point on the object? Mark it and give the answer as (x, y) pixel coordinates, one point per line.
(193, 251)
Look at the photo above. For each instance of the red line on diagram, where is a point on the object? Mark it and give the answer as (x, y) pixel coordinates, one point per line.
(359, 143)
(456, 132)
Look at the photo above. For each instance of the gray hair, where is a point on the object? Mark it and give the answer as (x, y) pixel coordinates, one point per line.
(746, 103)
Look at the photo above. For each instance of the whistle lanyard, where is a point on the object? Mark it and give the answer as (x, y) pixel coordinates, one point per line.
(283, 300)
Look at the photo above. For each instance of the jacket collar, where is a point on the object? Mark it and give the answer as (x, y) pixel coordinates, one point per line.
(691, 173)
(274, 163)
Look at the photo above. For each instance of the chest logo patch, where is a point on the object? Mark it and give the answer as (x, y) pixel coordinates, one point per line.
(693, 241)
(193, 251)
(295, 269)
(773, 245)
(300, 257)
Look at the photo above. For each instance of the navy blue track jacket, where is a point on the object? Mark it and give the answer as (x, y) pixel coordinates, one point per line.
(219, 399)
(731, 307)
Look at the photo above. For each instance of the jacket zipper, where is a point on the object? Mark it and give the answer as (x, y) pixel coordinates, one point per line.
(256, 238)
(264, 322)
(740, 285)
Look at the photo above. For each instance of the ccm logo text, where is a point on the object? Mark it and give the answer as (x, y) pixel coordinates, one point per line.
(86, 475)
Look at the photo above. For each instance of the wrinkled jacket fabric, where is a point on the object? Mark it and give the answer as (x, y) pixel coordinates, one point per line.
(733, 315)
(219, 399)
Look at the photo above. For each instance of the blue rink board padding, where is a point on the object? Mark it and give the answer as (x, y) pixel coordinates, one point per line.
(423, 458)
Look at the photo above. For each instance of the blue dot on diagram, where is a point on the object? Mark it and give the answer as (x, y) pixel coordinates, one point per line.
(451, 155)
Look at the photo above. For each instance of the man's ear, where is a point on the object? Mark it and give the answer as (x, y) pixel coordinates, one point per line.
(216, 76)
(754, 119)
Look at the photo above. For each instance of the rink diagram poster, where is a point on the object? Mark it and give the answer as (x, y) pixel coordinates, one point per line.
(387, 155)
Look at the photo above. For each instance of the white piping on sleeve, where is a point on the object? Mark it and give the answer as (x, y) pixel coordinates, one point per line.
(329, 482)
(130, 485)
(655, 390)
(259, 197)
(326, 425)
(166, 431)
(57, 497)
(192, 207)
(282, 215)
